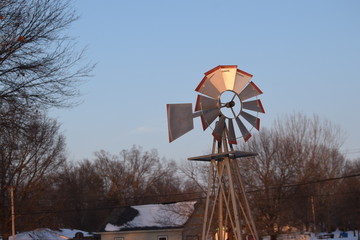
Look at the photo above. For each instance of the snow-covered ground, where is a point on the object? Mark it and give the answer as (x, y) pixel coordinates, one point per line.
(336, 235)
(49, 234)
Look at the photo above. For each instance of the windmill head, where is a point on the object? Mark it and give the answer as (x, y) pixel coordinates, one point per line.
(211, 104)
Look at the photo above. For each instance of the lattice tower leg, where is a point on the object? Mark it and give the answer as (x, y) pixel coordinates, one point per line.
(227, 211)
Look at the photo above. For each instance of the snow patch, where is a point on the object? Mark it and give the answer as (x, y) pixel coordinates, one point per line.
(47, 233)
(111, 228)
(158, 215)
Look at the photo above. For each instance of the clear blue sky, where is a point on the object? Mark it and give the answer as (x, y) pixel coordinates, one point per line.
(304, 55)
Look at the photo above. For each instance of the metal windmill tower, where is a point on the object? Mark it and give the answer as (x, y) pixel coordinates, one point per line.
(226, 94)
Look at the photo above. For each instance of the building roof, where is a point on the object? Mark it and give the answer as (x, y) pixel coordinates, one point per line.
(151, 216)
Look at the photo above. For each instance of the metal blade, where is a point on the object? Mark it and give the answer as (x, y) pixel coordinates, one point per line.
(180, 119)
(219, 128)
(231, 133)
(254, 121)
(254, 105)
(245, 133)
(216, 78)
(207, 88)
(229, 73)
(209, 110)
(241, 79)
(205, 103)
(251, 90)
(208, 116)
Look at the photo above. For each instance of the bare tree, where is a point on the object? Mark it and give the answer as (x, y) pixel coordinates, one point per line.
(196, 176)
(265, 177)
(111, 171)
(348, 195)
(136, 176)
(28, 155)
(296, 151)
(39, 69)
(148, 175)
(83, 194)
(38, 64)
(78, 197)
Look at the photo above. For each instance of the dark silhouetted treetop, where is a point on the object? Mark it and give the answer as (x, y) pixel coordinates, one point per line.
(38, 63)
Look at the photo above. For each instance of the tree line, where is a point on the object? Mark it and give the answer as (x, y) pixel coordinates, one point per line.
(83, 194)
(301, 178)
(288, 183)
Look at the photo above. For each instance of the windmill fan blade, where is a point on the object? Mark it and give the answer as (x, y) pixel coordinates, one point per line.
(245, 133)
(219, 128)
(254, 121)
(209, 110)
(228, 74)
(207, 88)
(215, 76)
(180, 119)
(251, 90)
(241, 79)
(208, 116)
(254, 105)
(231, 133)
(205, 103)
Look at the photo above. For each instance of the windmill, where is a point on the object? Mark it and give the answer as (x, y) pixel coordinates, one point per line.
(227, 103)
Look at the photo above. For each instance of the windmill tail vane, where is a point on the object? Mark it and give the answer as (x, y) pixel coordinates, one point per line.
(225, 93)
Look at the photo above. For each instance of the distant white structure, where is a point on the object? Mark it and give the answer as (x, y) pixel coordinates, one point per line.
(337, 235)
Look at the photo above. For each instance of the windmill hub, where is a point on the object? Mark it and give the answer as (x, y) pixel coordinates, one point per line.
(230, 104)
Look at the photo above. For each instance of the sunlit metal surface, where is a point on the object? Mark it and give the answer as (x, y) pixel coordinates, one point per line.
(254, 105)
(241, 79)
(250, 91)
(254, 121)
